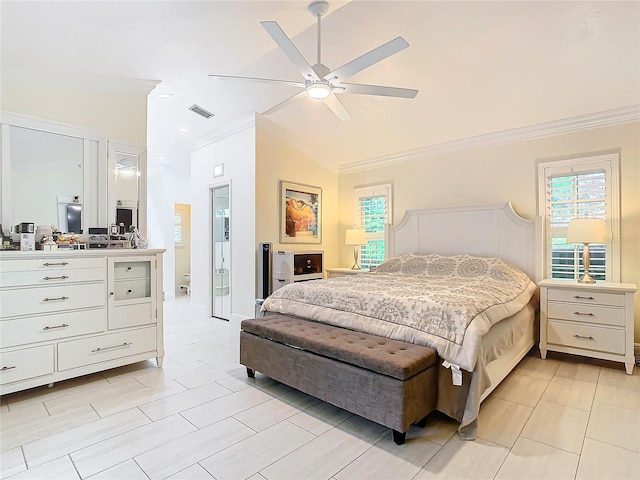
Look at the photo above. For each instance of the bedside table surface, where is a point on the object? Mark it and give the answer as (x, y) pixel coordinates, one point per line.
(605, 286)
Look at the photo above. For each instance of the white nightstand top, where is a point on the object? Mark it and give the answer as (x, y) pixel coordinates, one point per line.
(345, 270)
(605, 286)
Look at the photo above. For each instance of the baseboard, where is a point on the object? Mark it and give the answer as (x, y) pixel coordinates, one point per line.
(636, 352)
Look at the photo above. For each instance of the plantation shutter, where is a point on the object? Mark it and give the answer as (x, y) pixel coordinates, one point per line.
(372, 214)
(577, 188)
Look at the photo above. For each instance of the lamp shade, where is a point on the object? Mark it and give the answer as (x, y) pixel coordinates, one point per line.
(355, 236)
(586, 230)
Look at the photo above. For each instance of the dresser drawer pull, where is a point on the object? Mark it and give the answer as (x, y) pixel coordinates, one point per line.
(56, 326)
(281, 280)
(584, 314)
(62, 277)
(6, 368)
(583, 337)
(125, 344)
(583, 298)
(52, 264)
(128, 269)
(56, 298)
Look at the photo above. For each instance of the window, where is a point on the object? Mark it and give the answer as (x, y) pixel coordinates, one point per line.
(177, 228)
(580, 187)
(373, 213)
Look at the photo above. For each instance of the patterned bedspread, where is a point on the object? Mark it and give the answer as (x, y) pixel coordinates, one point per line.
(445, 302)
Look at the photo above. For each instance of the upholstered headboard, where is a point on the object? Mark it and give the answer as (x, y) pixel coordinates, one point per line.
(483, 230)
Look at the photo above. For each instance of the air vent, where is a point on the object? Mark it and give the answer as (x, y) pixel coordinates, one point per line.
(200, 111)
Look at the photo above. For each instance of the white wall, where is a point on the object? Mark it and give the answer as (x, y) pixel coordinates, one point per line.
(493, 174)
(237, 153)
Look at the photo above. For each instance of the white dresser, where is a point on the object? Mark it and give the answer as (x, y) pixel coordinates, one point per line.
(289, 267)
(65, 314)
(594, 320)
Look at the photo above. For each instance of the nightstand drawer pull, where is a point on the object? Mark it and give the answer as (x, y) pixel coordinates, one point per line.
(583, 298)
(7, 368)
(125, 344)
(62, 277)
(584, 314)
(51, 264)
(583, 337)
(56, 326)
(56, 298)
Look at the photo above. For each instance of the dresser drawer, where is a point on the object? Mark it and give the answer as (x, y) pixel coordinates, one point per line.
(52, 264)
(131, 289)
(601, 339)
(22, 331)
(26, 363)
(48, 277)
(586, 297)
(86, 351)
(126, 270)
(29, 301)
(586, 313)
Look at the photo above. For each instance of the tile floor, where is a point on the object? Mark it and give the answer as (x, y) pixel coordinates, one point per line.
(200, 417)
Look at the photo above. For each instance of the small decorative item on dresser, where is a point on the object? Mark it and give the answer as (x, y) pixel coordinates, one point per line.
(592, 320)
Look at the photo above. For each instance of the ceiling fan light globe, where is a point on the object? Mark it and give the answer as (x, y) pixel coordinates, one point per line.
(319, 90)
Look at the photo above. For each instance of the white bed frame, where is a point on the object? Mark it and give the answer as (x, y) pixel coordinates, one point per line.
(483, 230)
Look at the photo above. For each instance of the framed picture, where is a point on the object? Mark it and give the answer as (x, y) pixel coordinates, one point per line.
(300, 213)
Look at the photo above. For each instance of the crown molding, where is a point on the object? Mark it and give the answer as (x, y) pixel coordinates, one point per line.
(557, 127)
(213, 136)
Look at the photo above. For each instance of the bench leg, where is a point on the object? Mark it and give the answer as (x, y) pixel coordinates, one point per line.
(251, 373)
(399, 438)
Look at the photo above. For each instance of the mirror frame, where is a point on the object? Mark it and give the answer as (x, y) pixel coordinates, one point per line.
(95, 184)
(112, 199)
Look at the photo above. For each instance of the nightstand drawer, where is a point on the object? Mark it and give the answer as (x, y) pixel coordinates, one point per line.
(586, 297)
(610, 340)
(586, 313)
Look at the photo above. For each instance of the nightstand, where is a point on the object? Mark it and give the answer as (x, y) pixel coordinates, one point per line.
(340, 272)
(594, 320)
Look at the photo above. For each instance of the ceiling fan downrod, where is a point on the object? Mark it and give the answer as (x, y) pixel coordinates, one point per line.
(318, 9)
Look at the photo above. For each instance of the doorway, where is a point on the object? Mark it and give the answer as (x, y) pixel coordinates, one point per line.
(182, 242)
(221, 252)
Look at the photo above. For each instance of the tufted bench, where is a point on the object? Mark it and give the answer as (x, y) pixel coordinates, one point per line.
(387, 381)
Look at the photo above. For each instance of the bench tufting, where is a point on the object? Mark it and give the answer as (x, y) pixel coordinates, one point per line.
(387, 381)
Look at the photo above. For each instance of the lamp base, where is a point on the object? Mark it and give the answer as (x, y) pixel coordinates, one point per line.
(586, 278)
(356, 267)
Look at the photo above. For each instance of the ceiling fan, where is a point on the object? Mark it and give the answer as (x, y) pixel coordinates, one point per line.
(322, 83)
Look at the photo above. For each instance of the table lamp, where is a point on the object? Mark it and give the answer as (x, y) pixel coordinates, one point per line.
(586, 231)
(356, 237)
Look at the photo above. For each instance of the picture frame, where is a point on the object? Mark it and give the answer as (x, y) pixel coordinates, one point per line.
(300, 213)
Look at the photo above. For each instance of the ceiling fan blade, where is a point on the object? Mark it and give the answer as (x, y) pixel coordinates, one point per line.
(284, 103)
(263, 80)
(290, 50)
(337, 107)
(364, 61)
(378, 90)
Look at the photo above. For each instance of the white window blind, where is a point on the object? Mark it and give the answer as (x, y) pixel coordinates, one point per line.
(584, 187)
(373, 205)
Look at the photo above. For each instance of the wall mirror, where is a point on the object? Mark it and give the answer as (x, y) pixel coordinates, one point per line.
(51, 174)
(127, 192)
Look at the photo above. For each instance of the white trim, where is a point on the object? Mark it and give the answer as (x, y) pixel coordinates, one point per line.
(575, 165)
(557, 127)
(231, 129)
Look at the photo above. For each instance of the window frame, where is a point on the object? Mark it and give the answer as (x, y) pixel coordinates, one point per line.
(377, 190)
(610, 163)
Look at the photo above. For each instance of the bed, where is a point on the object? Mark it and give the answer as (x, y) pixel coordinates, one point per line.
(459, 280)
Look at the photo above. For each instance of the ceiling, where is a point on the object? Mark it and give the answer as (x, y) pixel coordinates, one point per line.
(480, 66)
